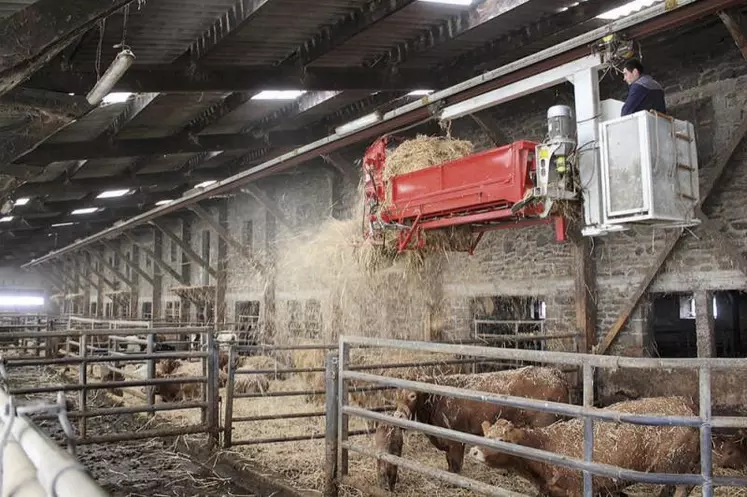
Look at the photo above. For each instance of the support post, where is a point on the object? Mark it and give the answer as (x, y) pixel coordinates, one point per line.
(151, 390)
(588, 392)
(585, 289)
(331, 382)
(83, 378)
(184, 303)
(230, 385)
(157, 295)
(158, 256)
(705, 329)
(706, 448)
(268, 310)
(343, 419)
(213, 407)
(221, 280)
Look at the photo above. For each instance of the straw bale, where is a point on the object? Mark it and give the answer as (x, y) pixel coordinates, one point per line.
(258, 362)
(252, 384)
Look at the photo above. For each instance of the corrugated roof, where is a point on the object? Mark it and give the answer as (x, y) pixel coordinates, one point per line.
(403, 25)
(90, 126)
(99, 168)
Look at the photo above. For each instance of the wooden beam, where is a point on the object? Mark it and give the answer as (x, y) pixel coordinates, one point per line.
(157, 260)
(723, 244)
(134, 264)
(124, 279)
(31, 37)
(90, 281)
(585, 290)
(102, 279)
(705, 329)
(132, 108)
(186, 250)
(717, 166)
(267, 203)
(226, 236)
(733, 22)
(51, 278)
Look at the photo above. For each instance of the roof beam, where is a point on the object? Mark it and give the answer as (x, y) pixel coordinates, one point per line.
(116, 272)
(92, 267)
(734, 24)
(134, 106)
(157, 260)
(717, 167)
(133, 264)
(178, 144)
(335, 36)
(55, 25)
(248, 78)
(161, 181)
(226, 236)
(454, 27)
(241, 12)
(186, 249)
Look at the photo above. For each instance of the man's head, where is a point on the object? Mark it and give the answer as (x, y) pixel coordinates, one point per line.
(632, 70)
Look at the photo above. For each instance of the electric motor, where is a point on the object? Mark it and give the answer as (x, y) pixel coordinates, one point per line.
(560, 123)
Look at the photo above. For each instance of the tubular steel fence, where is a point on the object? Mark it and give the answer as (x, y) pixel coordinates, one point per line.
(339, 373)
(84, 348)
(31, 464)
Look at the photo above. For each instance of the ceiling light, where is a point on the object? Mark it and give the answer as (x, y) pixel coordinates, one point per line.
(86, 210)
(164, 202)
(116, 97)
(6, 219)
(278, 95)
(60, 225)
(359, 123)
(21, 201)
(205, 183)
(450, 2)
(114, 193)
(419, 93)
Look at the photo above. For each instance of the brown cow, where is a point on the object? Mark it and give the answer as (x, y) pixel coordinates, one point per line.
(729, 452)
(176, 392)
(659, 449)
(390, 440)
(467, 415)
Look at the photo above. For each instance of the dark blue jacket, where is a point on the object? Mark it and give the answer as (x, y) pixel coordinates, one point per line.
(644, 94)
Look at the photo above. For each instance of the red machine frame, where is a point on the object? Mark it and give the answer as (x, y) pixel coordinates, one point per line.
(478, 190)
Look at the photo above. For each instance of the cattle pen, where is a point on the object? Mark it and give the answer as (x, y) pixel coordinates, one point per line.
(272, 428)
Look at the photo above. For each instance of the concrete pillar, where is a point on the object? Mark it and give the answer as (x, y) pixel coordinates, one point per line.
(705, 328)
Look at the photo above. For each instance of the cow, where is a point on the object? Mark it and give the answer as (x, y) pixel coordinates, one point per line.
(467, 415)
(659, 449)
(174, 392)
(729, 452)
(389, 439)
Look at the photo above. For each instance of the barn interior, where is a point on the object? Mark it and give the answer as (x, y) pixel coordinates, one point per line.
(187, 179)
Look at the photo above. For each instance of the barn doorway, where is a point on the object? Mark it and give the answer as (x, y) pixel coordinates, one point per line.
(673, 324)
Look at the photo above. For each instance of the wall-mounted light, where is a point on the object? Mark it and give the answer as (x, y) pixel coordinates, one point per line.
(60, 225)
(113, 74)
(419, 93)
(359, 123)
(21, 201)
(6, 219)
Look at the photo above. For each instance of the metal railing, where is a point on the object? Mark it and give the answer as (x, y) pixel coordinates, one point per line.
(83, 348)
(338, 413)
(31, 464)
(230, 440)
